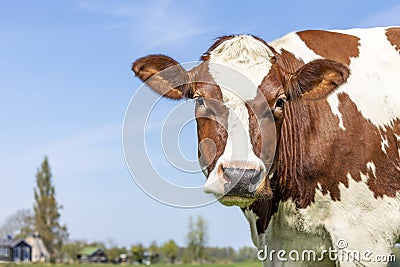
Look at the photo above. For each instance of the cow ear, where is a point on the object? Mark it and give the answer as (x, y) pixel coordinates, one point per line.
(317, 79)
(164, 75)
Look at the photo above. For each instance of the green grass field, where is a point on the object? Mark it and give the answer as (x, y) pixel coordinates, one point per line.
(243, 264)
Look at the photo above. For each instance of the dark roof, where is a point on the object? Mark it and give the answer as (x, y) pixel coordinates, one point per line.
(19, 241)
(7, 242)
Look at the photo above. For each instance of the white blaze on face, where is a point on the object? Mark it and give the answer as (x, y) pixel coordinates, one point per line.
(238, 66)
(246, 55)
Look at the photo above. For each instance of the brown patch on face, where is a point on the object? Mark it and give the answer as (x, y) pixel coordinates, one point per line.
(264, 125)
(288, 62)
(326, 44)
(393, 35)
(265, 128)
(211, 117)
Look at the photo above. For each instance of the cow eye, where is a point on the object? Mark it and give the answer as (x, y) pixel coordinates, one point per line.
(280, 103)
(199, 101)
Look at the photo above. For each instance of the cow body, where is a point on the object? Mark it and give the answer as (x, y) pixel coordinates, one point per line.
(351, 153)
(334, 177)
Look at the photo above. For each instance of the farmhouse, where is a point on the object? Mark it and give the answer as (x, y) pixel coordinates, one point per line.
(39, 250)
(92, 254)
(15, 250)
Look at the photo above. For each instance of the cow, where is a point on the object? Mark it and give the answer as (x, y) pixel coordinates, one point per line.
(309, 147)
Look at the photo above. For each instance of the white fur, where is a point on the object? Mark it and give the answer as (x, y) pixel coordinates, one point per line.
(252, 219)
(375, 77)
(372, 223)
(245, 55)
(289, 230)
(364, 221)
(384, 144)
(238, 145)
(371, 166)
(293, 43)
(238, 66)
(334, 104)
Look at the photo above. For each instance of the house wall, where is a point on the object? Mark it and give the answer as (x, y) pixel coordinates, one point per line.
(39, 250)
(22, 252)
(5, 253)
(99, 256)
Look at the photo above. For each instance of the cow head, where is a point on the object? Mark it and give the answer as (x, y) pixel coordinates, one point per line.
(241, 92)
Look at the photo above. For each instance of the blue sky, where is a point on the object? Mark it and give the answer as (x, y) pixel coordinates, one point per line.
(65, 83)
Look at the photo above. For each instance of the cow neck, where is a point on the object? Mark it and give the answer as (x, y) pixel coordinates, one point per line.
(290, 172)
(287, 181)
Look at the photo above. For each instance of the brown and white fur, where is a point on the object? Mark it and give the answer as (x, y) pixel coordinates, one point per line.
(313, 127)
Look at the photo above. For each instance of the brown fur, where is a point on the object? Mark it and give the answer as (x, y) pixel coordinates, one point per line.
(336, 46)
(162, 74)
(311, 147)
(212, 119)
(393, 35)
(317, 79)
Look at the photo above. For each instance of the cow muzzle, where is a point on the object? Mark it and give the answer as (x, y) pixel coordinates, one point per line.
(239, 184)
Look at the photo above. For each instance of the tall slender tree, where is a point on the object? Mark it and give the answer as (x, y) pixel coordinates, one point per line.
(196, 239)
(46, 211)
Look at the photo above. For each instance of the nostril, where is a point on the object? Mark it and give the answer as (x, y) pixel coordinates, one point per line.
(256, 177)
(232, 173)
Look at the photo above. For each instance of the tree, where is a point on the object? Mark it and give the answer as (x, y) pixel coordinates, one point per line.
(46, 211)
(71, 249)
(137, 253)
(19, 224)
(202, 236)
(246, 254)
(154, 252)
(170, 250)
(197, 238)
(114, 252)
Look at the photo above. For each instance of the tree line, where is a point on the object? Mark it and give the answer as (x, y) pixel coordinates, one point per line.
(44, 218)
(195, 251)
(167, 252)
